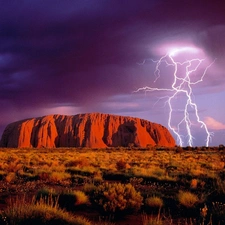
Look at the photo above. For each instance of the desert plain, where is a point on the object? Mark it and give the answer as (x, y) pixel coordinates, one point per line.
(122, 185)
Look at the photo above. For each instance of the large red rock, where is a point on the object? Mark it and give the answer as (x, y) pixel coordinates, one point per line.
(94, 130)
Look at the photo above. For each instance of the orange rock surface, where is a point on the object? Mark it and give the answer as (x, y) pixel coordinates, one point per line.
(94, 130)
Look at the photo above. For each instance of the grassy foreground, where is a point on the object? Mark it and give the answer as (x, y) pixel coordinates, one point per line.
(154, 184)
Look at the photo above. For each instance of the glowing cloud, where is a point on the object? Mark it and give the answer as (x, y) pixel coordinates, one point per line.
(214, 124)
(176, 51)
(182, 87)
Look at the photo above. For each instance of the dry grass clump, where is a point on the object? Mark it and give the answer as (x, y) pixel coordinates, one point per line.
(89, 188)
(10, 177)
(66, 199)
(81, 162)
(45, 193)
(154, 202)
(59, 177)
(151, 220)
(187, 199)
(21, 212)
(81, 198)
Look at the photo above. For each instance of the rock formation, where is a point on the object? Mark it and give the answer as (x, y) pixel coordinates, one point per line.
(94, 130)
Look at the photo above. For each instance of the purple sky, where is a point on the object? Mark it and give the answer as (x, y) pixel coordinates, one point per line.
(70, 57)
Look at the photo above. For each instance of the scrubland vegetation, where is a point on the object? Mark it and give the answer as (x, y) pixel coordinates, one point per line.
(152, 185)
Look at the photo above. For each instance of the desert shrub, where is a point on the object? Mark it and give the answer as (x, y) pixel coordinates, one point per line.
(79, 162)
(136, 181)
(13, 165)
(179, 149)
(58, 177)
(21, 212)
(79, 179)
(85, 171)
(97, 178)
(10, 177)
(154, 202)
(45, 192)
(117, 197)
(187, 199)
(26, 175)
(53, 176)
(43, 176)
(89, 188)
(121, 165)
(81, 198)
(48, 195)
(71, 199)
(194, 183)
(158, 173)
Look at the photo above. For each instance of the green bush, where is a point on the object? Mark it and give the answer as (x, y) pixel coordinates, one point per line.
(117, 197)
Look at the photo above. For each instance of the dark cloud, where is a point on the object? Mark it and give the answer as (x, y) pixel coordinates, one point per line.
(82, 53)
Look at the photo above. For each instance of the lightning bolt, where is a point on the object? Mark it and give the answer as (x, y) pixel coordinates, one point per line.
(181, 85)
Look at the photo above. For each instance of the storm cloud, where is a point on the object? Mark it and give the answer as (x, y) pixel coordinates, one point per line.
(81, 56)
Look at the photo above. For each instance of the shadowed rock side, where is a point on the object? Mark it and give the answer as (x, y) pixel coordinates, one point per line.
(94, 130)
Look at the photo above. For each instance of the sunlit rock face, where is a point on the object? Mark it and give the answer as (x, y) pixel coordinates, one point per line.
(94, 130)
